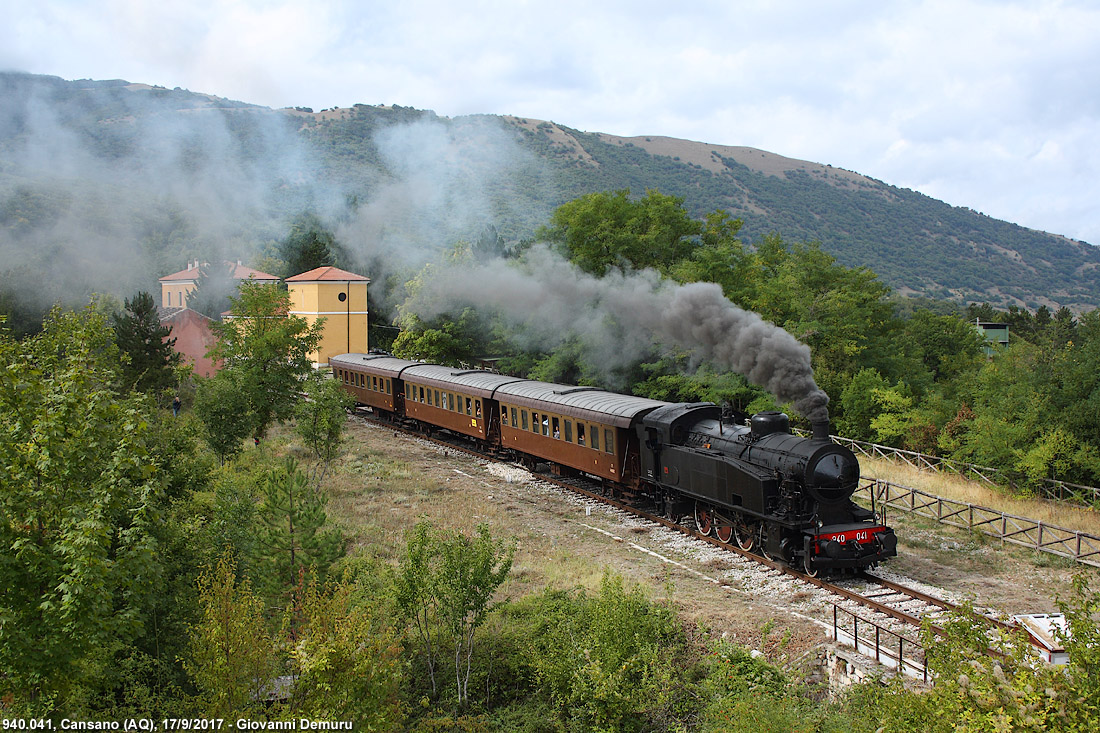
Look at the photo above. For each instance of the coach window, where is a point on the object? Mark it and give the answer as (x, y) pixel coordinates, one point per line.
(524, 414)
(608, 441)
(556, 426)
(387, 385)
(595, 432)
(446, 402)
(503, 415)
(545, 424)
(514, 417)
(469, 406)
(534, 422)
(436, 397)
(568, 431)
(477, 408)
(580, 433)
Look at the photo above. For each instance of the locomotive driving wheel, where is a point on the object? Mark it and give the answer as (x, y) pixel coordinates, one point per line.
(704, 519)
(724, 531)
(745, 533)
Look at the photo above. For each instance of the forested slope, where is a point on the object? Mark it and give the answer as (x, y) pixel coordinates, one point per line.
(150, 175)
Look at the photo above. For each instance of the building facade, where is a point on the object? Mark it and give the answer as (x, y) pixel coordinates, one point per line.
(338, 296)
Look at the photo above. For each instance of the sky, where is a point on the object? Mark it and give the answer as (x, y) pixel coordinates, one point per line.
(990, 105)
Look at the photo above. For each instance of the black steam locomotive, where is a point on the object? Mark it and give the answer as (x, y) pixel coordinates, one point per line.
(761, 486)
(758, 485)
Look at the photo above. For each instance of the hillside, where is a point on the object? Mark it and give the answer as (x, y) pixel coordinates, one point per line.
(123, 181)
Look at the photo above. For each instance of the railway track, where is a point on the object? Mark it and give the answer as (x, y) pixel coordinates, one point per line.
(906, 608)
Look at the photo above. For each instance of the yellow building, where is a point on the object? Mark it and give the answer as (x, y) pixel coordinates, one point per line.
(338, 296)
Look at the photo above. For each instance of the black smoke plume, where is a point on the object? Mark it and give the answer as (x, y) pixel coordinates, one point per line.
(625, 315)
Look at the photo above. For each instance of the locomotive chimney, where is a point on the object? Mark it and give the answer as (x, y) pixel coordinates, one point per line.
(820, 430)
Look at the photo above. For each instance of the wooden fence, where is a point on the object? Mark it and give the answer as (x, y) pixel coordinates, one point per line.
(1079, 546)
(887, 647)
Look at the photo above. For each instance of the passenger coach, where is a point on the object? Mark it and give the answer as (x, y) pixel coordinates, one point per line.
(579, 427)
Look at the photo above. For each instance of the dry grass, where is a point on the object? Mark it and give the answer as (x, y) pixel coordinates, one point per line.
(958, 489)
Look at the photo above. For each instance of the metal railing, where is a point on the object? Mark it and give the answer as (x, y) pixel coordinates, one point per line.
(1048, 489)
(1051, 489)
(887, 647)
(1081, 547)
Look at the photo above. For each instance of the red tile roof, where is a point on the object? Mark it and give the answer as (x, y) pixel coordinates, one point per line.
(327, 274)
(240, 272)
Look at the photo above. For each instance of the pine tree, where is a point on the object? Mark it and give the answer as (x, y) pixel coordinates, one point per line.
(145, 340)
(292, 536)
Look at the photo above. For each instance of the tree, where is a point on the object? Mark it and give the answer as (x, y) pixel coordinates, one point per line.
(309, 245)
(81, 502)
(222, 405)
(141, 337)
(267, 350)
(214, 290)
(292, 535)
(319, 421)
(347, 657)
(444, 586)
(601, 230)
(231, 658)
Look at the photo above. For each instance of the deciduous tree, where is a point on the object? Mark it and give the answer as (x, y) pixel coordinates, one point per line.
(267, 350)
(80, 506)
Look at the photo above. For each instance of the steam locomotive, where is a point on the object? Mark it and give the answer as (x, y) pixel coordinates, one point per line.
(758, 485)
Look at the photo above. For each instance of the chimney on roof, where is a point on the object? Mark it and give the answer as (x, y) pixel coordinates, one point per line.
(238, 263)
(189, 265)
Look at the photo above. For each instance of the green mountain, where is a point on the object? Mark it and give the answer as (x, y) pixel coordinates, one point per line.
(113, 182)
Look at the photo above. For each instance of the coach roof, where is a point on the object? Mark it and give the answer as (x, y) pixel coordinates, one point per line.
(470, 381)
(375, 363)
(586, 403)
